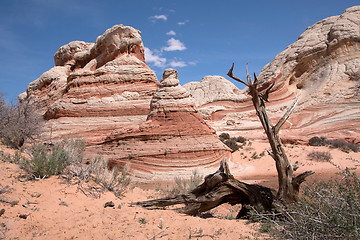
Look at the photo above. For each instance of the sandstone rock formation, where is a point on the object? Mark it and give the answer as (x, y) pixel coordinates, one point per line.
(173, 141)
(322, 67)
(95, 87)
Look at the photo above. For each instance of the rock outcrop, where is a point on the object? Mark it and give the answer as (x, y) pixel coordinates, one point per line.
(322, 67)
(173, 141)
(95, 87)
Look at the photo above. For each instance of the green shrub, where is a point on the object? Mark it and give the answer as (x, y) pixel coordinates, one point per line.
(231, 143)
(340, 144)
(224, 136)
(47, 161)
(44, 162)
(240, 139)
(327, 210)
(317, 141)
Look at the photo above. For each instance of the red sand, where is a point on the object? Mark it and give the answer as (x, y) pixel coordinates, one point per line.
(58, 211)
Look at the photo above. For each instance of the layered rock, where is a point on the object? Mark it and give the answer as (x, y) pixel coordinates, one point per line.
(173, 141)
(95, 87)
(323, 68)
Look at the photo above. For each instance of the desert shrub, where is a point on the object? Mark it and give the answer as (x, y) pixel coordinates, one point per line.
(182, 185)
(327, 210)
(317, 141)
(231, 143)
(255, 156)
(16, 158)
(240, 139)
(18, 123)
(47, 161)
(224, 136)
(319, 156)
(343, 145)
(340, 144)
(115, 180)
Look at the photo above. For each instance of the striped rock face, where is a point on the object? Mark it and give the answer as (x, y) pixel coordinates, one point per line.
(105, 93)
(95, 87)
(174, 141)
(322, 67)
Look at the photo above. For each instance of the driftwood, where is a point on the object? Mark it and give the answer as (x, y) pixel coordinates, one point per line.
(218, 188)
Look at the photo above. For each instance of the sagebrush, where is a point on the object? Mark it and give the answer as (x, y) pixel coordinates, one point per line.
(320, 156)
(327, 210)
(182, 185)
(65, 158)
(46, 161)
(115, 180)
(334, 143)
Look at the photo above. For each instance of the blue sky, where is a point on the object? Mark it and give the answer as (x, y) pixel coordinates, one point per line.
(196, 37)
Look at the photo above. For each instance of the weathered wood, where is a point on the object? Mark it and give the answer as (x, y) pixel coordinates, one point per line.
(218, 188)
(288, 184)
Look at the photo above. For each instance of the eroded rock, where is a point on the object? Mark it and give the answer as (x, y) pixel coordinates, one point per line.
(174, 141)
(322, 67)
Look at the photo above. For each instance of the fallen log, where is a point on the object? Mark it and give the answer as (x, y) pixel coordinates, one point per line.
(218, 188)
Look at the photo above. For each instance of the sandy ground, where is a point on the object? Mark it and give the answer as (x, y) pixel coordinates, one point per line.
(56, 210)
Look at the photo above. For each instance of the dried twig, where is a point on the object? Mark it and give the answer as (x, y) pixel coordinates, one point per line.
(286, 116)
(230, 74)
(153, 238)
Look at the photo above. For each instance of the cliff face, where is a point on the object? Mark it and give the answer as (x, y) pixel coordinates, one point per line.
(322, 67)
(95, 87)
(173, 141)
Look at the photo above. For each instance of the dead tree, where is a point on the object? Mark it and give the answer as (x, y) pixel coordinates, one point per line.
(288, 184)
(221, 187)
(218, 188)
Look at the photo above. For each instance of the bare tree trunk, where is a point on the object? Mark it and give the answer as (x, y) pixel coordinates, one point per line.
(288, 184)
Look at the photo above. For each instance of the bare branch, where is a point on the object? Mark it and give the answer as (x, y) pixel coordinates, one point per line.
(255, 79)
(248, 76)
(265, 96)
(230, 74)
(286, 116)
(300, 179)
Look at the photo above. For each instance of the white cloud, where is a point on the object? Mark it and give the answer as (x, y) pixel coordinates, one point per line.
(183, 23)
(174, 45)
(171, 32)
(157, 17)
(150, 57)
(177, 64)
